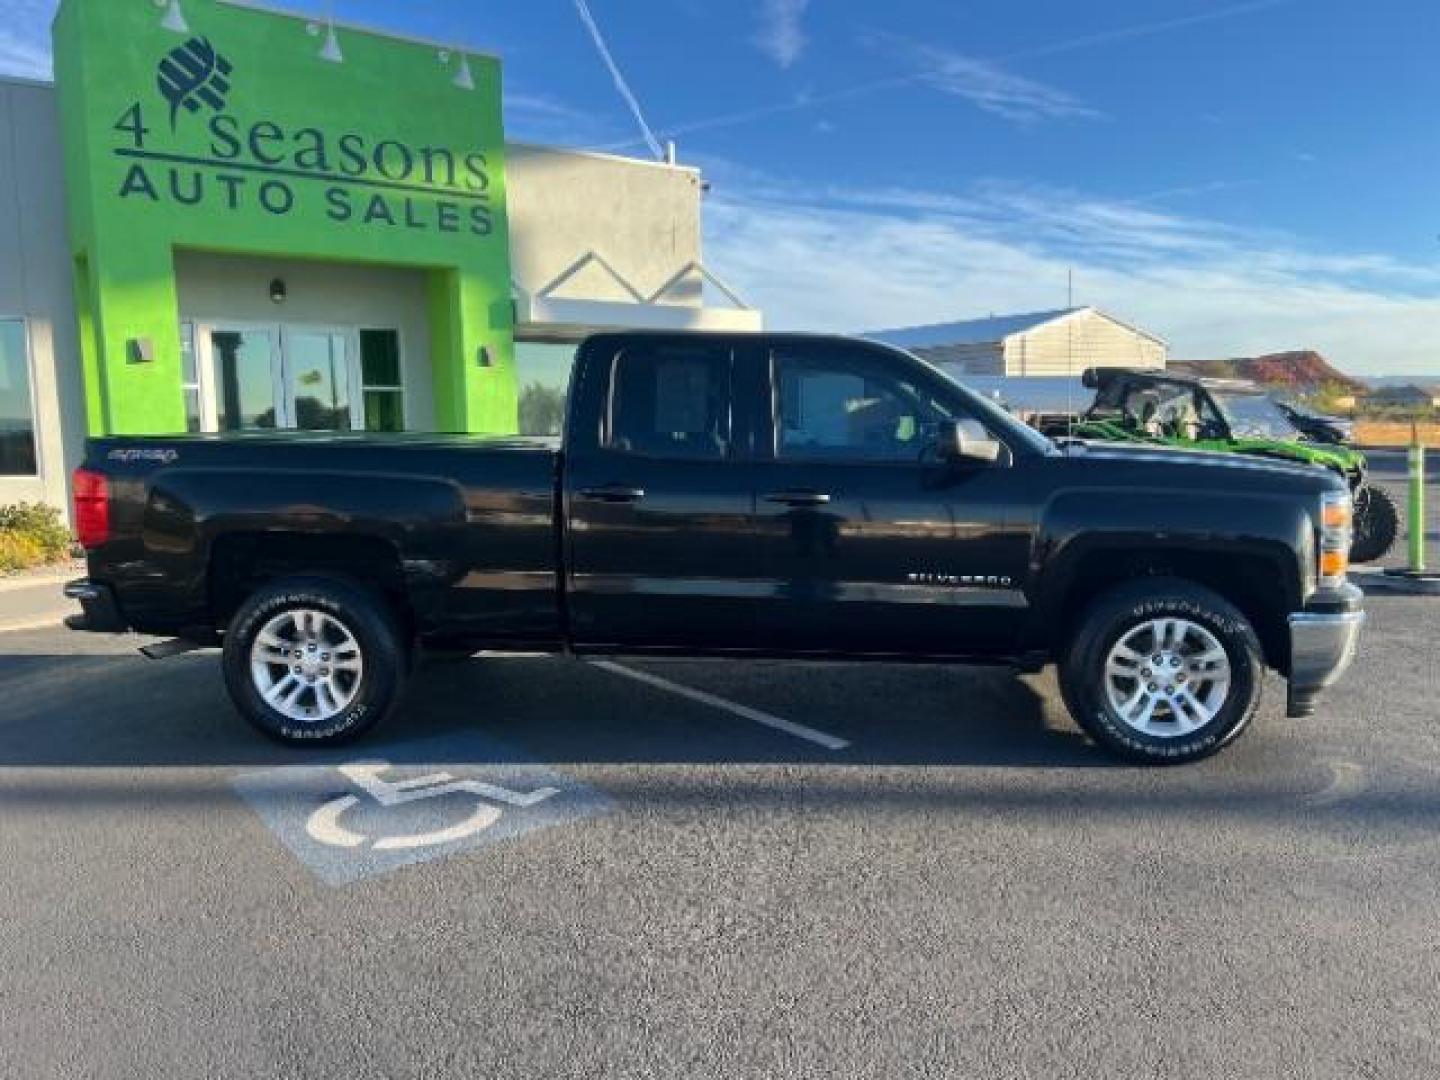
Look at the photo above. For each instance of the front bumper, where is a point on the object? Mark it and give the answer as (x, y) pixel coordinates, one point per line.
(1322, 648)
(100, 612)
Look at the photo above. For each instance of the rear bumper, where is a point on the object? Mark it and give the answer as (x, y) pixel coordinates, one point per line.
(100, 614)
(1322, 648)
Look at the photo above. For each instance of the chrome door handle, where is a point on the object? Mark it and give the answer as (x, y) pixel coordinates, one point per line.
(613, 493)
(798, 498)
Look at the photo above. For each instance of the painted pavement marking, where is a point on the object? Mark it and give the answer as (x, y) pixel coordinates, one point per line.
(789, 727)
(351, 819)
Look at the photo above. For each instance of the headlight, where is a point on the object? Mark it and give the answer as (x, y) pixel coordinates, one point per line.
(1336, 526)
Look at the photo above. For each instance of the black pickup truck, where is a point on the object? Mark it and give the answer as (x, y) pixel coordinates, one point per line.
(767, 495)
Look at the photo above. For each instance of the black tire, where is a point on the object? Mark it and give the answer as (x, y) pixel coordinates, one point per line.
(1377, 524)
(1118, 612)
(368, 621)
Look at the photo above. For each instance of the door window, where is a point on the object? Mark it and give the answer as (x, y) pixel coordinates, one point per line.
(317, 374)
(838, 405)
(190, 379)
(17, 415)
(670, 401)
(383, 387)
(245, 377)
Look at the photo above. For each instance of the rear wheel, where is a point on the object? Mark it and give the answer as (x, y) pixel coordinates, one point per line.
(313, 661)
(1377, 524)
(1163, 671)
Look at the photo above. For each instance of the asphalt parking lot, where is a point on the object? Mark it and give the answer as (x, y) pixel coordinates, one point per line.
(746, 870)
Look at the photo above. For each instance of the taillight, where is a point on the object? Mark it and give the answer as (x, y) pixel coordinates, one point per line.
(92, 508)
(1337, 515)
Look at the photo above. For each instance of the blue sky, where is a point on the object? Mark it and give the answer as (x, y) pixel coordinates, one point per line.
(1236, 176)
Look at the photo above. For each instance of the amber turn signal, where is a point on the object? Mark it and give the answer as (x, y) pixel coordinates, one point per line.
(1333, 564)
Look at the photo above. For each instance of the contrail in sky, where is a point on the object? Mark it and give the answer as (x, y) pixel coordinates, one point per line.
(1086, 41)
(620, 84)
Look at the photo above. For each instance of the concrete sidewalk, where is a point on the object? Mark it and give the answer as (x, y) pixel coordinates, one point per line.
(32, 601)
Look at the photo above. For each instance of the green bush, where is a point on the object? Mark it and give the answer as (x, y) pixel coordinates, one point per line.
(31, 534)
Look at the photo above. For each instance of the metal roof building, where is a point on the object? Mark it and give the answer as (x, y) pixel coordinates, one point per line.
(1061, 342)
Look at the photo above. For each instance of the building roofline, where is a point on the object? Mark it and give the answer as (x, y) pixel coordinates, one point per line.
(599, 154)
(26, 80)
(266, 8)
(1128, 326)
(1051, 318)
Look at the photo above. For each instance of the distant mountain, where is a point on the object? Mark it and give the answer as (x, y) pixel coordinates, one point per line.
(1301, 371)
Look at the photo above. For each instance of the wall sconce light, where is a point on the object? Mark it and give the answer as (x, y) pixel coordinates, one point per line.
(330, 51)
(140, 350)
(278, 291)
(464, 79)
(174, 19)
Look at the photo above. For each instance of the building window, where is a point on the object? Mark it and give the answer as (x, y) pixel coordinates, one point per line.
(542, 372)
(17, 409)
(381, 383)
(190, 377)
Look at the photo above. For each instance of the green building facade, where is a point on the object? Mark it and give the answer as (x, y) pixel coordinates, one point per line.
(230, 130)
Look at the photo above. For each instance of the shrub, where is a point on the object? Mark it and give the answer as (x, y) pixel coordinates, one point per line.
(30, 534)
(18, 551)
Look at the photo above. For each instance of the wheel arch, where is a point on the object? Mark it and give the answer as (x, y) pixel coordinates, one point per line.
(242, 562)
(1260, 584)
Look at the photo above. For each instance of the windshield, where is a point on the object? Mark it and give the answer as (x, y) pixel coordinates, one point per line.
(1255, 416)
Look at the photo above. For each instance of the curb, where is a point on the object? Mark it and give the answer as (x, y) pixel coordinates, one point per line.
(1383, 584)
(57, 576)
(52, 622)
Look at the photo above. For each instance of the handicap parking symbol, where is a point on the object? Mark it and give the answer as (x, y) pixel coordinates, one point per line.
(351, 819)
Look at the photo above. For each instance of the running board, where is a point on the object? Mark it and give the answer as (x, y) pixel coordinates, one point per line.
(165, 649)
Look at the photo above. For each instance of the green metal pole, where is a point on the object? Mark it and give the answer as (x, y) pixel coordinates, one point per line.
(1417, 501)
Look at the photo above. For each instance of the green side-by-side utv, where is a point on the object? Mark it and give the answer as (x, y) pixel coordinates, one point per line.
(1229, 416)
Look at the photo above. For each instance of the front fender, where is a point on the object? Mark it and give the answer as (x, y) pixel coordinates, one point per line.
(1081, 530)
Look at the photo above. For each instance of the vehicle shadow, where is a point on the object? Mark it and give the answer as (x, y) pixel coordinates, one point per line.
(106, 711)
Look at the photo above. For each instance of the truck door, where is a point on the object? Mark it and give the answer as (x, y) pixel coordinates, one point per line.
(869, 541)
(658, 497)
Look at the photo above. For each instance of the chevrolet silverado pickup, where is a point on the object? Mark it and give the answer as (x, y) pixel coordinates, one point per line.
(770, 495)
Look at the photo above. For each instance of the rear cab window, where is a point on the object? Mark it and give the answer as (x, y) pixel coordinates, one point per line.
(670, 400)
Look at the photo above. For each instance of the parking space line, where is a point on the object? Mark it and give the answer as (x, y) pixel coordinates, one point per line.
(800, 731)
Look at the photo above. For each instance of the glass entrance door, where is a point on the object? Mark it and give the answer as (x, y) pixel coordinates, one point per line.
(316, 378)
(245, 363)
(270, 377)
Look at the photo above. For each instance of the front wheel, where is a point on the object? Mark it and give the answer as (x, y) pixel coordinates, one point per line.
(313, 661)
(1163, 671)
(1377, 524)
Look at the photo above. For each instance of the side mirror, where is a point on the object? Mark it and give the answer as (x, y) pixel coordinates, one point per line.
(961, 441)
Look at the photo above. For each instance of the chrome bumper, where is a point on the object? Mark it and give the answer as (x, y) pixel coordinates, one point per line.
(1322, 648)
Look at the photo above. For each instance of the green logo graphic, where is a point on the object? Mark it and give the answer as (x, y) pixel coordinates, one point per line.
(192, 75)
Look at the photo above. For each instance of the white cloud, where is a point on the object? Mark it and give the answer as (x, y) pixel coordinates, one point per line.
(989, 86)
(781, 36)
(544, 118)
(871, 259)
(25, 38)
